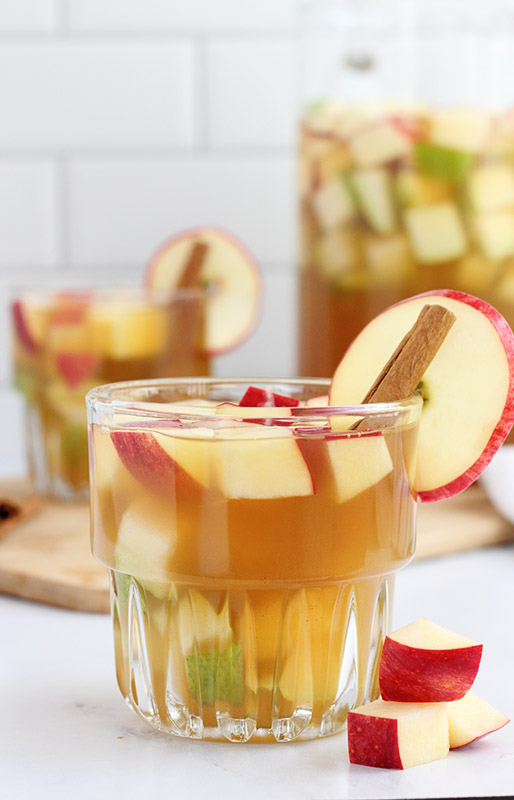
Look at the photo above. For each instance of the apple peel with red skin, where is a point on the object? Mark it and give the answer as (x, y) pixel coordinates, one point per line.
(468, 388)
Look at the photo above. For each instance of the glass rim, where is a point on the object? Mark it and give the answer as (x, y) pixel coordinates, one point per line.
(46, 296)
(104, 398)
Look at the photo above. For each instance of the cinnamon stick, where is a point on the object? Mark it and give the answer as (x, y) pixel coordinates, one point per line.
(403, 372)
(193, 267)
(409, 362)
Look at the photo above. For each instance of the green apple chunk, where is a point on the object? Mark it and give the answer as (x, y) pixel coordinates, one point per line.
(495, 232)
(216, 675)
(491, 187)
(442, 162)
(373, 191)
(436, 233)
(332, 204)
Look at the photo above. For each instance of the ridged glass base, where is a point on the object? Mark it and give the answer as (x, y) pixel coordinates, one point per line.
(255, 664)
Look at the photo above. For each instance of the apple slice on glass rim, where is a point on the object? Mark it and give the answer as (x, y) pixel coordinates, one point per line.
(210, 257)
(467, 389)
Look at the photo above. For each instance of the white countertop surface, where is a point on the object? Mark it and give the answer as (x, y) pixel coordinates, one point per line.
(66, 732)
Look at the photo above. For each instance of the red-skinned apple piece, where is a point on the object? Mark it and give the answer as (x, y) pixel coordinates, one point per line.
(426, 663)
(76, 367)
(471, 718)
(233, 307)
(22, 327)
(397, 735)
(256, 397)
(147, 460)
(468, 389)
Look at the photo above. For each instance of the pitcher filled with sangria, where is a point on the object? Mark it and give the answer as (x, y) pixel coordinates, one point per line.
(406, 162)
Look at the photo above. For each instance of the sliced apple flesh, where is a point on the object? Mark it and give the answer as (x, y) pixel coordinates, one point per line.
(470, 718)
(468, 389)
(227, 269)
(397, 735)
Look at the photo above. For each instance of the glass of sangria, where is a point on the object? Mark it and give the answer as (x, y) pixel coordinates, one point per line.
(252, 535)
(66, 342)
(406, 162)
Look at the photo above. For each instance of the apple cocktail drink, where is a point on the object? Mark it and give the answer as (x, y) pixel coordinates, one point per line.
(65, 343)
(394, 202)
(252, 536)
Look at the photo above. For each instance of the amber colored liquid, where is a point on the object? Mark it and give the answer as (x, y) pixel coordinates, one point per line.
(56, 414)
(300, 585)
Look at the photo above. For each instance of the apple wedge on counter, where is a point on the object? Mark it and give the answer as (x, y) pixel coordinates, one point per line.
(426, 708)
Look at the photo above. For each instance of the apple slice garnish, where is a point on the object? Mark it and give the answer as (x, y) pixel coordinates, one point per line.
(468, 388)
(209, 257)
(426, 663)
(471, 718)
(397, 735)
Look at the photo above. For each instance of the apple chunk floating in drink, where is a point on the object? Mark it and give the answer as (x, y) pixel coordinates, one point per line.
(202, 298)
(252, 529)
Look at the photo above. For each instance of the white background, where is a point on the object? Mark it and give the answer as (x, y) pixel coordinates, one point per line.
(123, 121)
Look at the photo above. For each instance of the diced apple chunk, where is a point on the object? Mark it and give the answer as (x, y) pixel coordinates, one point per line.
(375, 198)
(336, 253)
(258, 462)
(397, 735)
(380, 143)
(200, 625)
(332, 204)
(436, 233)
(491, 187)
(357, 463)
(388, 258)
(426, 663)
(495, 231)
(121, 332)
(415, 189)
(470, 718)
(146, 541)
(461, 129)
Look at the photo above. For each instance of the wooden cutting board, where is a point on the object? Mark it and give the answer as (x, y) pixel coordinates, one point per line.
(45, 551)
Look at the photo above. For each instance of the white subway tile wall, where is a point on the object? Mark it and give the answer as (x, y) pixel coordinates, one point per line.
(124, 121)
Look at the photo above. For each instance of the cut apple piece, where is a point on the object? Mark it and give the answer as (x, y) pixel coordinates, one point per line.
(495, 233)
(425, 663)
(336, 253)
(74, 368)
(415, 189)
(491, 187)
(461, 129)
(436, 233)
(257, 397)
(28, 324)
(388, 258)
(374, 195)
(470, 718)
(120, 331)
(260, 462)
(145, 456)
(468, 389)
(379, 143)
(145, 543)
(234, 303)
(397, 735)
(443, 163)
(317, 402)
(200, 626)
(357, 462)
(332, 204)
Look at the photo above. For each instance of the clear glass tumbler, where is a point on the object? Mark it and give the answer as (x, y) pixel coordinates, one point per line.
(251, 550)
(406, 159)
(66, 342)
